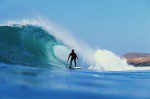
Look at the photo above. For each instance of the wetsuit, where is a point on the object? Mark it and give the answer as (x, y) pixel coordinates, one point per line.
(73, 57)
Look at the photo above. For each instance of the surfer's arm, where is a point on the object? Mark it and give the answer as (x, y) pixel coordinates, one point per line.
(77, 57)
(68, 57)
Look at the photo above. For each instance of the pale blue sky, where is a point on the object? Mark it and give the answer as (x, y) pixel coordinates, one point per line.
(118, 25)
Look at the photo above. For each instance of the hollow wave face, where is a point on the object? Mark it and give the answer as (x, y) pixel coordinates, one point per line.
(31, 46)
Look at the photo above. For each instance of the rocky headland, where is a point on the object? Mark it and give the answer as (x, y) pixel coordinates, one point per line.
(138, 59)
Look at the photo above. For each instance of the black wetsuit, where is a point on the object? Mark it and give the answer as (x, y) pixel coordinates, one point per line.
(73, 57)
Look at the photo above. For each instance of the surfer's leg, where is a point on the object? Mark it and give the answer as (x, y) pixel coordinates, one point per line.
(75, 62)
(71, 62)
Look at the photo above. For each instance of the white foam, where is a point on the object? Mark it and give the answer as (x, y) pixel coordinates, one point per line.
(107, 61)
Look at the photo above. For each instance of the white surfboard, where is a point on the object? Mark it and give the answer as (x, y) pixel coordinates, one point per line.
(73, 67)
(78, 67)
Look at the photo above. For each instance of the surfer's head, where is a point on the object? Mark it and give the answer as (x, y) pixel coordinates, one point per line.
(72, 50)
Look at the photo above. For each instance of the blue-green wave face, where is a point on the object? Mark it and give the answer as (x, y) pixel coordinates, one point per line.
(30, 45)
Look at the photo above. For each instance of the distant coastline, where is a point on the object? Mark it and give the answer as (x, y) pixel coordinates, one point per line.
(138, 59)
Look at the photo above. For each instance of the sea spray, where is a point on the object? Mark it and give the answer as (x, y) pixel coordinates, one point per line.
(108, 61)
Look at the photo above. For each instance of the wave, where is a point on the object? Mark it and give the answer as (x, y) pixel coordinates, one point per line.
(38, 43)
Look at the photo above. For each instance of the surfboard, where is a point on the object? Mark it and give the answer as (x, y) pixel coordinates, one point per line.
(73, 67)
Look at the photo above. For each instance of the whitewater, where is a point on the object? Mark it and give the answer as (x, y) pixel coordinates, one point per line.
(33, 56)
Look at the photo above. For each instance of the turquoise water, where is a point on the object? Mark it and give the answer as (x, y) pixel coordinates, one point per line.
(33, 66)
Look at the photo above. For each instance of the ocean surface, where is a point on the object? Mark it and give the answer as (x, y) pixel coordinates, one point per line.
(33, 66)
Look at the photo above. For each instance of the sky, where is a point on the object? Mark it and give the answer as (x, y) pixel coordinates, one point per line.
(120, 26)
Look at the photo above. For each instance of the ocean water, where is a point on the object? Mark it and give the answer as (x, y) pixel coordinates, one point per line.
(33, 66)
(21, 82)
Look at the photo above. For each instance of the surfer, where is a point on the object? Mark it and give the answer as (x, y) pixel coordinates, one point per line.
(73, 57)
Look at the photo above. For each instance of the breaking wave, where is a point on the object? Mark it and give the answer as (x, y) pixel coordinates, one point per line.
(38, 43)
